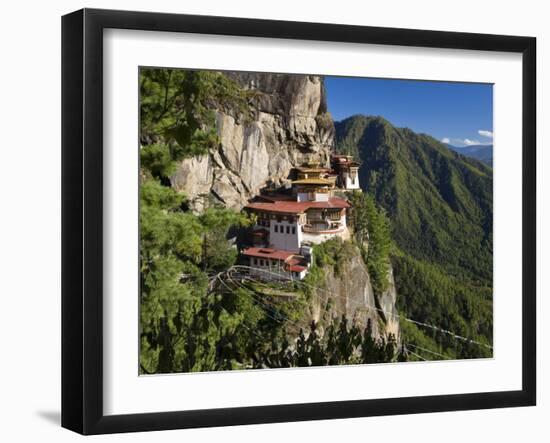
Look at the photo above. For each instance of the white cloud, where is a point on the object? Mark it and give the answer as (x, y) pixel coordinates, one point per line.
(469, 142)
(485, 133)
(463, 142)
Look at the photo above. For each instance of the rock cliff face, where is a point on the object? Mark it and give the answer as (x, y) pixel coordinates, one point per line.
(349, 291)
(288, 126)
(388, 305)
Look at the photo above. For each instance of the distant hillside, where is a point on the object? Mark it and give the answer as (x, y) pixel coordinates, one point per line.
(441, 207)
(483, 153)
(441, 203)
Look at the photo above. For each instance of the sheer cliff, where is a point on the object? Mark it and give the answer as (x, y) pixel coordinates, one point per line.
(346, 289)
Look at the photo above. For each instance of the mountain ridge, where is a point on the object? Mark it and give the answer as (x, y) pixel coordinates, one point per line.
(431, 192)
(440, 204)
(483, 153)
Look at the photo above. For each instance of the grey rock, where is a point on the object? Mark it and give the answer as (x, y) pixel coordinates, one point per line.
(388, 307)
(349, 292)
(194, 176)
(288, 128)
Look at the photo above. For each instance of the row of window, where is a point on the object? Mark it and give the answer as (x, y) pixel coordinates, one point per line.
(266, 262)
(281, 229)
(279, 218)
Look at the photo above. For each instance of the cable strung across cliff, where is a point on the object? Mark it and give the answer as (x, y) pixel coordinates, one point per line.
(397, 316)
(405, 346)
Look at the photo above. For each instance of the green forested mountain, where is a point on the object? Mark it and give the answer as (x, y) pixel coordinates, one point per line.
(440, 205)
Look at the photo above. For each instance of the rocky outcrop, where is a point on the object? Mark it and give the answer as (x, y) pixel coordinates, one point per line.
(387, 302)
(349, 292)
(288, 125)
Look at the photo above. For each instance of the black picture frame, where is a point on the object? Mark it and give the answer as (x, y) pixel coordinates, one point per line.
(82, 219)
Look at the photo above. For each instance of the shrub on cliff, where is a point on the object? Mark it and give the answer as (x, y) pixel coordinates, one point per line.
(372, 231)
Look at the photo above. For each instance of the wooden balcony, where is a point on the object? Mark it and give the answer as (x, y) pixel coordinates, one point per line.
(323, 228)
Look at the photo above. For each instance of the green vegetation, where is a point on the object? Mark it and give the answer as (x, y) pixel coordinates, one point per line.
(440, 205)
(428, 295)
(340, 344)
(334, 252)
(373, 235)
(184, 326)
(182, 323)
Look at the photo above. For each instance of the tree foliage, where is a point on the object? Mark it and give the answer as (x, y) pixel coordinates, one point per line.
(340, 344)
(182, 322)
(429, 295)
(184, 326)
(373, 235)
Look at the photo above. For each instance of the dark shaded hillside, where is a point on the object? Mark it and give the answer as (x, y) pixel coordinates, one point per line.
(440, 205)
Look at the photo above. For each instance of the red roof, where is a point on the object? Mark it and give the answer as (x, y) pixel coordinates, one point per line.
(294, 207)
(276, 254)
(296, 264)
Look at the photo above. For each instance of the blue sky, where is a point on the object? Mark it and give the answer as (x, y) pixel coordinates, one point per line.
(457, 113)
